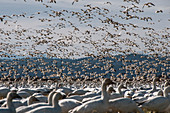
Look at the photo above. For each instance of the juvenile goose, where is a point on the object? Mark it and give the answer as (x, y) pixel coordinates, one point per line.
(10, 106)
(98, 105)
(55, 108)
(24, 109)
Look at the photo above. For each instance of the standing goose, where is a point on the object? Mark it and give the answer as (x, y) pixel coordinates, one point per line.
(24, 109)
(98, 105)
(159, 103)
(10, 106)
(55, 108)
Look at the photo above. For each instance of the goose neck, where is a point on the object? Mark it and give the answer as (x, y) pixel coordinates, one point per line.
(30, 100)
(55, 101)
(104, 92)
(10, 105)
(154, 85)
(50, 96)
(119, 89)
(166, 91)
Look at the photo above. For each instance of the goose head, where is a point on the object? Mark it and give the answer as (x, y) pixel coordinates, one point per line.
(32, 99)
(107, 81)
(13, 95)
(110, 89)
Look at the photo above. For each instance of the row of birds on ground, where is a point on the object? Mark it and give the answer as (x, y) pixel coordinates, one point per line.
(88, 96)
(121, 66)
(89, 31)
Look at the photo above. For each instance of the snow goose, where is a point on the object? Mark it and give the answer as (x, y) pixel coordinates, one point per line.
(124, 105)
(23, 94)
(119, 94)
(63, 89)
(68, 104)
(10, 106)
(55, 108)
(109, 90)
(27, 90)
(23, 102)
(78, 92)
(159, 103)
(24, 109)
(98, 105)
(40, 97)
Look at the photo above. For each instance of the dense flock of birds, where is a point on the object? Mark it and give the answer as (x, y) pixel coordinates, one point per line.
(85, 96)
(121, 66)
(87, 59)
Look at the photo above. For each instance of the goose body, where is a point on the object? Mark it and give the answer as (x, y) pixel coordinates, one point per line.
(124, 105)
(68, 104)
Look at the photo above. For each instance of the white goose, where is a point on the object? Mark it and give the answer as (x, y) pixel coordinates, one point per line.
(23, 102)
(124, 105)
(10, 106)
(99, 105)
(24, 109)
(49, 109)
(159, 103)
(68, 104)
(119, 94)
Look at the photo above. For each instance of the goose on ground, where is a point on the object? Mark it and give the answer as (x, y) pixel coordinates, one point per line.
(23, 94)
(24, 109)
(10, 106)
(158, 103)
(78, 92)
(55, 108)
(23, 102)
(68, 104)
(119, 94)
(63, 89)
(124, 105)
(98, 105)
(41, 97)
